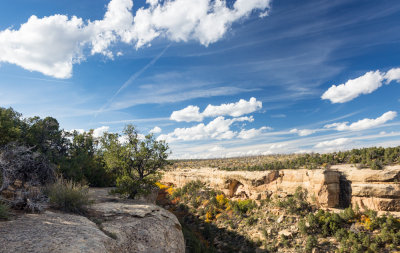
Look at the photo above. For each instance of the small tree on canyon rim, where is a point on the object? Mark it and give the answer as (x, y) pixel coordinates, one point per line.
(136, 160)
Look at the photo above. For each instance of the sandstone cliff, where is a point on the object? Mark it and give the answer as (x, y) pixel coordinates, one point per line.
(335, 187)
(373, 189)
(122, 226)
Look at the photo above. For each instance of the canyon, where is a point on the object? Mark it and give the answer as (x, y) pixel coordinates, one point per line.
(337, 187)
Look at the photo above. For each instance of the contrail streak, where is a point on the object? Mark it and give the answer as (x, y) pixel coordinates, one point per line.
(131, 79)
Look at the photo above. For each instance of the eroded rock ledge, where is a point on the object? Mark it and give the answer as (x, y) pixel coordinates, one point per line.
(339, 186)
(137, 227)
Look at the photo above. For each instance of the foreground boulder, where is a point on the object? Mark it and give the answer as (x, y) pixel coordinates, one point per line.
(51, 232)
(138, 226)
(121, 226)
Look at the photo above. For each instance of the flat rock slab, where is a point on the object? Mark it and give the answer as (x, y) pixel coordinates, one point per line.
(140, 228)
(51, 232)
(127, 226)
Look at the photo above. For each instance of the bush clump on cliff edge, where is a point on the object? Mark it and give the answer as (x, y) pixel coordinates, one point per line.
(69, 196)
(135, 162)
(4, 211)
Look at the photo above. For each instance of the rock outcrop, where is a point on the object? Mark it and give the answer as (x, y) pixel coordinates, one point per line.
(322, 185)
(121, 226)
(338, 186)
(138, 226)
(52, 232)
(373, 189)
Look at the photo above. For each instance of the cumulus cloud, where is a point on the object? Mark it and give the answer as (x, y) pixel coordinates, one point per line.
(79, 131)
(364, 123)
(216, 149)
(355, 87)
(251, 133)
(393, 75)
(123, 139)
(218, 129)
(52, 45)
(303, 132)
(205, 21)
(98, 132)
(156, 130)
(240, 108)
(365, 84)
(237, 109)
(188, 114)
(333, 143)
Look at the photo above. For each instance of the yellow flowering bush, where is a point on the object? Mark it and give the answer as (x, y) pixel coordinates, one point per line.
(366, 222)
(209, 217)
(222, 201)
(162, 186)
(170, 190)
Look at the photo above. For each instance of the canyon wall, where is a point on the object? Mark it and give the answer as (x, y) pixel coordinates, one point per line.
(338, 186)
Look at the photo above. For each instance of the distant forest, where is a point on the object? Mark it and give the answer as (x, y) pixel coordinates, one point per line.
(374, 158)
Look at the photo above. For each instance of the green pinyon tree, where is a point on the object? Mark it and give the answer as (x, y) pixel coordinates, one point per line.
(136, 160)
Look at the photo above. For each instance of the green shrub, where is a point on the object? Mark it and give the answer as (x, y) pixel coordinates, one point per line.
(4, 211)
(243, 206)
(251, 220)
(348, 214)
(130, 187)
(69, 196)
(312, 242)
(297, 203)
(302, 226)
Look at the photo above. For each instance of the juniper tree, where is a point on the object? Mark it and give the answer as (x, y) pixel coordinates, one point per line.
(136, 160)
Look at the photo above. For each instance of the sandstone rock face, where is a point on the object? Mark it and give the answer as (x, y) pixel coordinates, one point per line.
(51, 232)
(339, 186)
(123, 226)
(323, 185)
(141, 228)
(374, 189)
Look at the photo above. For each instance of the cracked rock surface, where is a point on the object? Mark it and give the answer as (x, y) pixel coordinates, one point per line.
(122, 226)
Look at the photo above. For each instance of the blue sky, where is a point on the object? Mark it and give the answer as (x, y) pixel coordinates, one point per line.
(275, 76)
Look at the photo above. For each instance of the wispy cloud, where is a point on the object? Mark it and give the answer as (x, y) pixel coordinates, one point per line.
(132, 79)
(170, 95)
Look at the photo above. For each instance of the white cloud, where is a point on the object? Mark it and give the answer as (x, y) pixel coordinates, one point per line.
(364, 123)
(123, 139)
(188, 114)
(303, 132)
(192, 113)
(156, 130)
(251, 133)
(79, 131)
(365, 84)
(393, 75)
(115, 26)
(98, 132)
(205, 21)
(219, 129)
(333, 143)
(237, 109)
(216, 149)
(52, 45)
